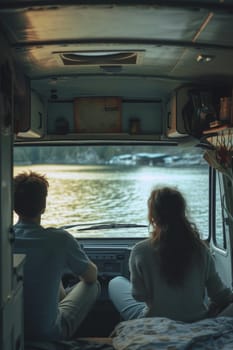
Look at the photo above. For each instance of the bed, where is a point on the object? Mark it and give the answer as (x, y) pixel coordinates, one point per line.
(165, 334)
(155, 333)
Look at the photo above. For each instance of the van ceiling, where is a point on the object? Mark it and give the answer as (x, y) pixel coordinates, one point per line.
(171, 42)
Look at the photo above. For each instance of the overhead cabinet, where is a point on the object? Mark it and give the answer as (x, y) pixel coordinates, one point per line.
(191, 110)
(108, 116)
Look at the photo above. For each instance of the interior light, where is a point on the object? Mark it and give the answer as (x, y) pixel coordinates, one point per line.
(204, 58)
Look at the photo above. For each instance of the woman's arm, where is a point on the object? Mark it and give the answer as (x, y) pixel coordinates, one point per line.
(136, 276)
(62, 292)
(220, 296)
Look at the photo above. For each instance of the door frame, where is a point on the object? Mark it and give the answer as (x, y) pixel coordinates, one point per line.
(222, 254)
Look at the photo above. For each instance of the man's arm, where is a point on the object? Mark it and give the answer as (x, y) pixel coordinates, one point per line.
(90, 274)
(78, 262)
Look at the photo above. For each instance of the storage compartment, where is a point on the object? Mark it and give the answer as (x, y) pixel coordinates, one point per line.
(175, 122)
(12, 313)
(60, 118)
(192, 110)
(97, 115)
(33, 124)
(142, 117)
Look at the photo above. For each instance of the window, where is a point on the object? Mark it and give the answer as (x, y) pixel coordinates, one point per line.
(92, 185)
(219, 233)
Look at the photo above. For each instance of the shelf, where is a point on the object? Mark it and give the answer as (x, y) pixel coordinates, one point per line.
(220, 136)
(216, 129)
(106, 136)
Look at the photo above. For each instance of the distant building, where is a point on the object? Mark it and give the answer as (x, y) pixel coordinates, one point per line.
(157, 159)
(147, 159)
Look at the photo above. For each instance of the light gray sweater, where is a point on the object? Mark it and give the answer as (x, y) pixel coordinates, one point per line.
(183, 303)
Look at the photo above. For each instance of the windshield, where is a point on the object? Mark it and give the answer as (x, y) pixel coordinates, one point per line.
(102, 191)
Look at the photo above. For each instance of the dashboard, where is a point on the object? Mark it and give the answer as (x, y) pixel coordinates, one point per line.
(111, 262)
(111, 256)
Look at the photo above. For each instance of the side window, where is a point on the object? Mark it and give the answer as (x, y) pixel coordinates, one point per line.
(219, 234)
(197, 196)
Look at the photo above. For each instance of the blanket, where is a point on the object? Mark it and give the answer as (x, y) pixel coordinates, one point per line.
(164, 334)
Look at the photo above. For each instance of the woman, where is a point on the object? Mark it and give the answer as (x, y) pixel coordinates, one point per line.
(172, 272)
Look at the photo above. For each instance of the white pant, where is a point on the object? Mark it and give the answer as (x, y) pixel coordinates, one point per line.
(120, 293)
(76, 305)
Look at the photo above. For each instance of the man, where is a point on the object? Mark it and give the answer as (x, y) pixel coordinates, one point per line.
(48, 312)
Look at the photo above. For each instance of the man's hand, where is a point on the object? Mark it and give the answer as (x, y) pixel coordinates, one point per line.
(90, 274)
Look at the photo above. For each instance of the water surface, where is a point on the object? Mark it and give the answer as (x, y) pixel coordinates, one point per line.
(99, 193)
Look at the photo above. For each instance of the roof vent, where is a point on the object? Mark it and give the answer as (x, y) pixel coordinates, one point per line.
(99, 58)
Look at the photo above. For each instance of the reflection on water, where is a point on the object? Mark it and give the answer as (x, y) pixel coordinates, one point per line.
(88, 194)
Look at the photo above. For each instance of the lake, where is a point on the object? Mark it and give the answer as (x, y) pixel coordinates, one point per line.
(102, 193)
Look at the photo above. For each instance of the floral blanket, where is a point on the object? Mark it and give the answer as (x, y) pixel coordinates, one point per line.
(164, 334)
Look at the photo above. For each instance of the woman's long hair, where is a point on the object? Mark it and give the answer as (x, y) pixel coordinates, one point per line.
(178, 238)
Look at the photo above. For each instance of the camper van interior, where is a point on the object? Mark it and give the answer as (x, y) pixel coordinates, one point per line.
(109, 99)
